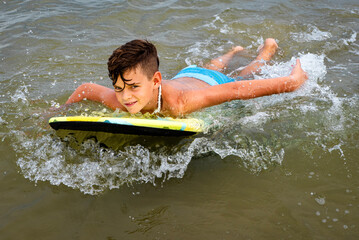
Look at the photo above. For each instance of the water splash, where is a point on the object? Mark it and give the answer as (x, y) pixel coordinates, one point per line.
(313, 34)
(257, 140)
(92, 169)
(20, 95)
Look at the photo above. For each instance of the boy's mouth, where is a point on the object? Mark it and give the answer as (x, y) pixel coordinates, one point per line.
(130, 104)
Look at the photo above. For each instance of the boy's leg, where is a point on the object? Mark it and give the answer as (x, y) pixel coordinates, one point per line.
(265, 54)
(219, 64)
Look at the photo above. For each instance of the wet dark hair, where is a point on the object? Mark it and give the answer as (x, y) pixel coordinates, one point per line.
(130, 55)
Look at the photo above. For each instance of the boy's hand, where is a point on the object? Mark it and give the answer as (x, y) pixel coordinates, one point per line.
(54, 111)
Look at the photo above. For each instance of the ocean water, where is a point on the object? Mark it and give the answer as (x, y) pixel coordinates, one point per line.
(278, 167)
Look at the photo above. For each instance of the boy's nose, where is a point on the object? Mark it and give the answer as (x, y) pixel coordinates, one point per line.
(126, 94)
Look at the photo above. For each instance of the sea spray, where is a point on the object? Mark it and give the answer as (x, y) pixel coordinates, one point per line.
(257, 140)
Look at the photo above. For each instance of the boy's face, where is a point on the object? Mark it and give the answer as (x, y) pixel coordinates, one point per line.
(138, 94)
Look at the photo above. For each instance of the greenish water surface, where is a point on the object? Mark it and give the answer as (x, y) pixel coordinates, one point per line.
(278, 167)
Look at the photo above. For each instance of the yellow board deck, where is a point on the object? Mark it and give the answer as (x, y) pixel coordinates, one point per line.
(130, 125)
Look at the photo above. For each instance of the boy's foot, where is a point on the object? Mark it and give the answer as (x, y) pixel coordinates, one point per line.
(237, 49)
(265, 53)
(267, 50)
(220, 63)
(298, 75)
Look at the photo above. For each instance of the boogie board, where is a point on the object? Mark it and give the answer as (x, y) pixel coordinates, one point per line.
(129, 125)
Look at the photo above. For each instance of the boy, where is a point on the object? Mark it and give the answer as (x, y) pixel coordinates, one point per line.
(139, 87)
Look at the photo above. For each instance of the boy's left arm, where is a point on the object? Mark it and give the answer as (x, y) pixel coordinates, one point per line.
(197, 99)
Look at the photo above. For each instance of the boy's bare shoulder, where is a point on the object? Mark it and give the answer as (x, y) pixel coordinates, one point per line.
(171, 98)
(181, 98)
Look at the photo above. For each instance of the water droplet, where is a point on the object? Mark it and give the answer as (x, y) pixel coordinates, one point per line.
(320, 201)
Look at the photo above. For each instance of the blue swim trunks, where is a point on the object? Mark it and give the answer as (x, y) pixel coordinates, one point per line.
(209, 76)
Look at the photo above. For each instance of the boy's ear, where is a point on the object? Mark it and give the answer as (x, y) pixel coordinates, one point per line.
(157, 79)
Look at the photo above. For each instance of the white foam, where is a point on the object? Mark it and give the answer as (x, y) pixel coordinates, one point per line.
(313, 34)
(93, 169)
(219, 24)
(308, 108)
(20, 94)
(316, 96)
(351, 40)
(197, 51)
(255, 120)
(311, 63)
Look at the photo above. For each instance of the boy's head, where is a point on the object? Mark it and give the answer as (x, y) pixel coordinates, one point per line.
(136, 53)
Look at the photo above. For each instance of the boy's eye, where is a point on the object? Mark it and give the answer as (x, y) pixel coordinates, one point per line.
(118, 89)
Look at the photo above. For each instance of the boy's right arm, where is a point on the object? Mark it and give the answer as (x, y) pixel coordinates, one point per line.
(97, 93)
